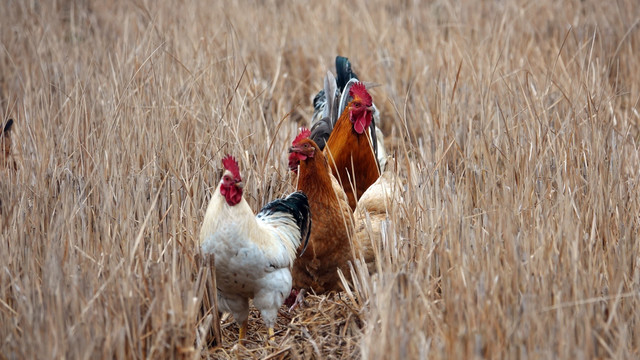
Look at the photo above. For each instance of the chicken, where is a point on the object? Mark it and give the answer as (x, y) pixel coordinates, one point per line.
(349, 149)
(253, 254)
(325, 122)
(329, 245)
(5, 142)
(331, 101)
(372, 212)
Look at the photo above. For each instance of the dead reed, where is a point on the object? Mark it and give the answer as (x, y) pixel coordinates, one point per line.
(513, 124)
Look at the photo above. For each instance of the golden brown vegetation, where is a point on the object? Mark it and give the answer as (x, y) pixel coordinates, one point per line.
(513, 123)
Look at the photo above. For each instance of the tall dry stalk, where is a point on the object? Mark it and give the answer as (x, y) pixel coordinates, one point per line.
(513, 124)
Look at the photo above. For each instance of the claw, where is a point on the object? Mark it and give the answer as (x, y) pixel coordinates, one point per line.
(299, 300)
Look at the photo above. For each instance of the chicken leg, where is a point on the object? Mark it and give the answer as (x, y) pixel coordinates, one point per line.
(243, 330)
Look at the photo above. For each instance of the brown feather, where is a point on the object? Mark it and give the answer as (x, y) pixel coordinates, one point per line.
(352, 158)
(329, 246)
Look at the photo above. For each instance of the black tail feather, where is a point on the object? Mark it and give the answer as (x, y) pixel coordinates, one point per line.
(297, 205)
(327, 108)
(343, 72)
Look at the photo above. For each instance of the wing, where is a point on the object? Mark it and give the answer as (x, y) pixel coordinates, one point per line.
(324, 111)
(325, 104)
(290, 220)
(381, 195)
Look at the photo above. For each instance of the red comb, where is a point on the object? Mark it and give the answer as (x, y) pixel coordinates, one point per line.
(304, 133)
(359, 91)
(230, 163)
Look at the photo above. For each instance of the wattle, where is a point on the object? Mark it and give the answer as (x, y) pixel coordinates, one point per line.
(294, 160)
(359, 125)
(232, 194)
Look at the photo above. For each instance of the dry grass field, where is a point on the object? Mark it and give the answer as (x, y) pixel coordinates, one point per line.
(514, 124)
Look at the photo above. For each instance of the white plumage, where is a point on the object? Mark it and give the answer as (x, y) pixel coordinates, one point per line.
(253, 254)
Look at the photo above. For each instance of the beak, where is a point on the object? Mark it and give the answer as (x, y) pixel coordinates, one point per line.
(370, 108)
(292, 149)
(240, 184)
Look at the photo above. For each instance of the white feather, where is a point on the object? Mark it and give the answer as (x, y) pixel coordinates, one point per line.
(253, 257)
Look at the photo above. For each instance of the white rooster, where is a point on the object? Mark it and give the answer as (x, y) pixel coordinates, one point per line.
(253, 254)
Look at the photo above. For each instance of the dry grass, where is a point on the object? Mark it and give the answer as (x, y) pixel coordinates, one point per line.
(514, 125)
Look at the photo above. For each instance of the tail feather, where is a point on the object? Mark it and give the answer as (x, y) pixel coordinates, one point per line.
(373, 132)
(345, 97)
(326, 108)
(344, 72)
(297, 205)
(330, 110)
(325, 111)
(319, 103)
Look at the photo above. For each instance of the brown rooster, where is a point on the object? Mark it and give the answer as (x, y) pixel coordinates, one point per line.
(349, 148)
(345, 115)
(329, 245)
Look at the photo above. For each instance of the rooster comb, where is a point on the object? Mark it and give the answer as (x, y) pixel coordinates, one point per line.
(230, 163)
(304, 134)
(359, 91)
